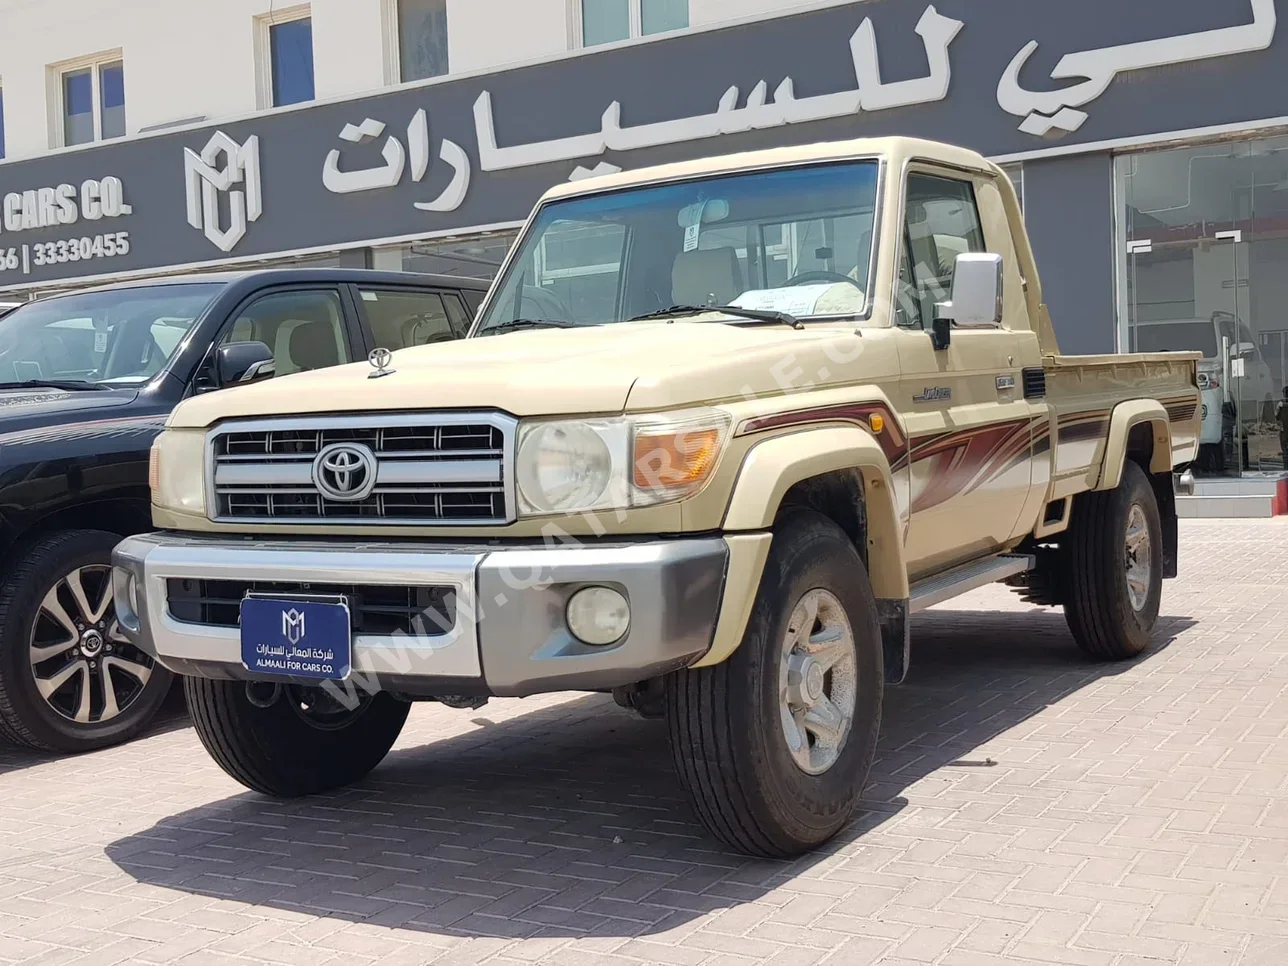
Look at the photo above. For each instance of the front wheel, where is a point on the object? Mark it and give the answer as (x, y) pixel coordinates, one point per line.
(774, 744)
(1115, 568)
(291, 741)
(69, 679)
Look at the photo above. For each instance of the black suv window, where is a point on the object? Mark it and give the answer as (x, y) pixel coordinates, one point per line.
(400, 318)
(305, 329)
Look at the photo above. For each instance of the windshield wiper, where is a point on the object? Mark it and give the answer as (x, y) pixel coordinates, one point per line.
(72, 385)
(529, 324)
(755, 315)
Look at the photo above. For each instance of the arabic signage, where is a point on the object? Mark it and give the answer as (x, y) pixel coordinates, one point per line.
(1004, 77)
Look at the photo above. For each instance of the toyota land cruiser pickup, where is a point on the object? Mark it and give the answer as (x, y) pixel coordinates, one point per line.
(767, 408)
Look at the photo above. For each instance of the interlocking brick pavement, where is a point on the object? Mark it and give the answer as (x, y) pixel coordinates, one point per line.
(1027, 807)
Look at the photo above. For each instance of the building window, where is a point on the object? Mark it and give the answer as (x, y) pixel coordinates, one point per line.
(607, 21)
(91, 96)
(479, 256)
(285, 55)
(422, 39)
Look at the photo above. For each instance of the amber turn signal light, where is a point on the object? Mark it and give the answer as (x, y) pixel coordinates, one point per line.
(675, 459)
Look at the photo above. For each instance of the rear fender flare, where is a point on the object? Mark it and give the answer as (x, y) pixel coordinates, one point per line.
(1126, 417)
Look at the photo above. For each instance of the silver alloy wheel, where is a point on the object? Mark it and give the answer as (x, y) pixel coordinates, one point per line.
(817, 681)
(84, 667)
(1138, 557)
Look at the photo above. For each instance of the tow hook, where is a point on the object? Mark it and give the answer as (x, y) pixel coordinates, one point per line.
(1185, 484)
(262, 695)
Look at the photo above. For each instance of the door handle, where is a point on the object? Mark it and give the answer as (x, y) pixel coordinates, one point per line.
(1005, 383)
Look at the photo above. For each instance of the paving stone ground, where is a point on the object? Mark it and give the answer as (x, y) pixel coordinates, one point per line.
(1027, 807)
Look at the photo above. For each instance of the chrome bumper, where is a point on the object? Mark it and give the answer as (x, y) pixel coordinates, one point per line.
(509, 636)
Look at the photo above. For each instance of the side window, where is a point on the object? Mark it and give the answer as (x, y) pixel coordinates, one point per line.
(942, 223)
(400, 319)
(305, 329)
(457, 314)
(473, 300)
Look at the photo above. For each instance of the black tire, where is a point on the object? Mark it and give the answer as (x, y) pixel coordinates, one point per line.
(277, 750)
(726, 735)
(28, 718)
(1099, 607)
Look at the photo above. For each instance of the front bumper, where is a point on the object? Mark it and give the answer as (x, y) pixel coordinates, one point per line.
(508, 635)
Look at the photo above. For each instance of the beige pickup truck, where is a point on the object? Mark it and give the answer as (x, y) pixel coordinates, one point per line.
(721, 430)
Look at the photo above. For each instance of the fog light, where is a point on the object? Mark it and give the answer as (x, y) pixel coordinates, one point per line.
(598, 615)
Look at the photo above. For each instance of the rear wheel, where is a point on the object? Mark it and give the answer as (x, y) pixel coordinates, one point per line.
(1115, 568)
(288, 741)
(774, 744)
(69, 679)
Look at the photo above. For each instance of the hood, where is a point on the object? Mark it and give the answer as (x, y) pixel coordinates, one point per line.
(602, 369)
(22, 409)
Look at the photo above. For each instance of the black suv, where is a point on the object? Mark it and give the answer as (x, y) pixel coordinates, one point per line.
(86, 383)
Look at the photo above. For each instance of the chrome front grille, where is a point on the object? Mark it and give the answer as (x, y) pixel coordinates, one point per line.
(439, 468)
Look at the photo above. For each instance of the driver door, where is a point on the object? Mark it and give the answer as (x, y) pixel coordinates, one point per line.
(970, 426)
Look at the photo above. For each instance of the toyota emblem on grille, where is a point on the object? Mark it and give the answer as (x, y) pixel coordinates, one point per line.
(345, 472)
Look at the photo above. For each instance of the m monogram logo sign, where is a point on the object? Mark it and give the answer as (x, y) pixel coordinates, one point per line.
(222, 164)
(293, 625)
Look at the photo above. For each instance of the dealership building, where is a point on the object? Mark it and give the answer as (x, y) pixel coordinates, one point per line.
(1148, 140)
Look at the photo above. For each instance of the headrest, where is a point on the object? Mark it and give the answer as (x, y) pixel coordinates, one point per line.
(706, 276)
(313, 346)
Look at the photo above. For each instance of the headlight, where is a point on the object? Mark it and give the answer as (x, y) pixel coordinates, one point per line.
(569, 466)
(176, 471)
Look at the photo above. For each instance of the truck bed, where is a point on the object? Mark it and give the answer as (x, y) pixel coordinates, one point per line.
(1082, 393)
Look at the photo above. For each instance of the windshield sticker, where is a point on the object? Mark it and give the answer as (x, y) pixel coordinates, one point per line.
(794, 300)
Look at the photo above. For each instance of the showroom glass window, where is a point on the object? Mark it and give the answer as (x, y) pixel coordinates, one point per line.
(1203, 267)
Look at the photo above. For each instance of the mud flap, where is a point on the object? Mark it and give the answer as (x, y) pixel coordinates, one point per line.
(1164, 485)
(896, 640)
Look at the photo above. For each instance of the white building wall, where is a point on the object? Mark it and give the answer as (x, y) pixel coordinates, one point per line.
(483, 34)
(188, 59)
(705, 12)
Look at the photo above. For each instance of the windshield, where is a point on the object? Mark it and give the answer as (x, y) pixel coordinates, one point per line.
(795, 240)
(115, 337)
(1177, 337)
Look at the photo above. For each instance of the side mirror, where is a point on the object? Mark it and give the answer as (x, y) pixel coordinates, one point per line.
(239, 363)
(977, 297)
(1245, 349)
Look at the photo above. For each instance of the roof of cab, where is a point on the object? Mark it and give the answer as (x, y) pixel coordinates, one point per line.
(895, 149)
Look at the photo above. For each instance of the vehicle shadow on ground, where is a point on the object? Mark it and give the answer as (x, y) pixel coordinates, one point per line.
(569, 821)
(171, 716)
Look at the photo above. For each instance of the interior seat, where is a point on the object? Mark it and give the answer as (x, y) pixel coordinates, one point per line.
(312, 346)
(706, 276)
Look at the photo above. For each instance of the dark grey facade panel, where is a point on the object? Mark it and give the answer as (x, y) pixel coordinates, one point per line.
(1069, 213)
(839, 72)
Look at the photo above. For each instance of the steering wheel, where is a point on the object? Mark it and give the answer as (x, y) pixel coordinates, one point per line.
(806, 278)
(548, 305)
